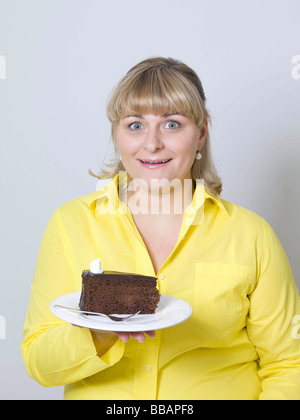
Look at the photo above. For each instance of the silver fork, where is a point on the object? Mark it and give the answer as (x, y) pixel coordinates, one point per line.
(112, 317)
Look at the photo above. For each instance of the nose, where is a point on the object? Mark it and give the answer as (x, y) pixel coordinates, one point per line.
(153, 140)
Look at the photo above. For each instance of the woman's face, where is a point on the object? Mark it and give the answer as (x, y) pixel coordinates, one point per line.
(159, 147)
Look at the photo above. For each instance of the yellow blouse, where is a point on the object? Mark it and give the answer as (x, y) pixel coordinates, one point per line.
(239, 343)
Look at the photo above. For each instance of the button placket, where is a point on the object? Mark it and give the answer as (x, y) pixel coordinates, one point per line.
(146, 365)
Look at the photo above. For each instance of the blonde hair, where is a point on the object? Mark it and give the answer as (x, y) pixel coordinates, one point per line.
(157, 86)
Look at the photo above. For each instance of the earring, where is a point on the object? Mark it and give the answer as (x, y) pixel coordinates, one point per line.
(198, 156)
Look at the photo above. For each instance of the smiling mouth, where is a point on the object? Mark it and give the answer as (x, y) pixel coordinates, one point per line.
(155, 162)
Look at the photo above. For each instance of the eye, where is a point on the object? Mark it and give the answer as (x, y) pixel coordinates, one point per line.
(172, 125)
(135, 126)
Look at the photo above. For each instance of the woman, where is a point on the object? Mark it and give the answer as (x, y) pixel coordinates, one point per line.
(224, 260)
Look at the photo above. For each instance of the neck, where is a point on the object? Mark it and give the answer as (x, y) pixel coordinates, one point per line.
(162, 198)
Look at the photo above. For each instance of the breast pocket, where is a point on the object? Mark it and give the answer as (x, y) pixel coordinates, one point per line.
(220, 299)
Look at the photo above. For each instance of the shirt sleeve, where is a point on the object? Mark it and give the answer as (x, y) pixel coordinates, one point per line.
(274, 304)
(55, 352)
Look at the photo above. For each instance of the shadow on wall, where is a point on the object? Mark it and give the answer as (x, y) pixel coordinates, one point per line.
(279, 201)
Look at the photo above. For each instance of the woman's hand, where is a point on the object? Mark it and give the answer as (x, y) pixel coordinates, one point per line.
(103, 340)
(139, 336)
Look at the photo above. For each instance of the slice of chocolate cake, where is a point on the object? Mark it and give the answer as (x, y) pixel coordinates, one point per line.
(111, 292)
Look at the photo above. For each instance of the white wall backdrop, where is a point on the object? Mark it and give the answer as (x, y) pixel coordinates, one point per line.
(59, 60)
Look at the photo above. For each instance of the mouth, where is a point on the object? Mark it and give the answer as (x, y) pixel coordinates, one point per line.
(154, 163)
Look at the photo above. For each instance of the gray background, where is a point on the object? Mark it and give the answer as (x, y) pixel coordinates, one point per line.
(63, 57)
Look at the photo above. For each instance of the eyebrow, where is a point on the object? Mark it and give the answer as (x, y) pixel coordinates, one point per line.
(142, 117)
(133, 116)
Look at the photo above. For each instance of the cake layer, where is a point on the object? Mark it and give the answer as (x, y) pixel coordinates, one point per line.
(118, 293)
(122, 304)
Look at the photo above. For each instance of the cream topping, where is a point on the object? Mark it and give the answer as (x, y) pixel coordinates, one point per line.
(95, 267)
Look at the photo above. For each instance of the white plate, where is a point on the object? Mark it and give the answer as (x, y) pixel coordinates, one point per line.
(169, 312)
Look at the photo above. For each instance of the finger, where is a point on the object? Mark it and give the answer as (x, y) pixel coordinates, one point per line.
(123, 336)
(151, 333)
(139, 336)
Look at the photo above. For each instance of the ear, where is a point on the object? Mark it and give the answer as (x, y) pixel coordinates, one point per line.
(203, 134)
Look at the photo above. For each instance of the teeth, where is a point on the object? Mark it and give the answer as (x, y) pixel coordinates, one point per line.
(153, 163)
